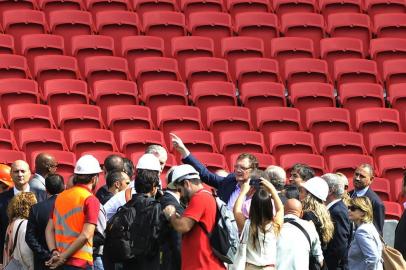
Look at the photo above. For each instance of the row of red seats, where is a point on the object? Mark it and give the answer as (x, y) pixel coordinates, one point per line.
(215, 25)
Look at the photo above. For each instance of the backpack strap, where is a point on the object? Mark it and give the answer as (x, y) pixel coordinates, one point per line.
(300, 227)
(128, 194)
(217, 215)
(15, 237)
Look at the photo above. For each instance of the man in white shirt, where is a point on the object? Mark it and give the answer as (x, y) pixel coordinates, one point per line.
(293, 247)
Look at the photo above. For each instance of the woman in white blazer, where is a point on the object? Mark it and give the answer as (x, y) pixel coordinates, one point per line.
(365, 251)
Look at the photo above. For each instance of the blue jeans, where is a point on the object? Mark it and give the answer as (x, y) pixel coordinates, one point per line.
(98, 263)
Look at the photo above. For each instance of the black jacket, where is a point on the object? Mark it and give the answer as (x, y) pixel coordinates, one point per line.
(35, 236)
(336, 252)
(400, 235)
(103, 194)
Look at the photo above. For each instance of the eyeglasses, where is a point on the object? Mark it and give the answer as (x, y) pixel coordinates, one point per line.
(241, 168)
(353, 208)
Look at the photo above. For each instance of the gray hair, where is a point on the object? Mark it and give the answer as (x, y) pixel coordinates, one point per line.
(156, 149)
(335, 184)
(277, 176)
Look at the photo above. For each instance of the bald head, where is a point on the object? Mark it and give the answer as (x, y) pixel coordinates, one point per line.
(293, 207)
(45, 164)
(20, 173)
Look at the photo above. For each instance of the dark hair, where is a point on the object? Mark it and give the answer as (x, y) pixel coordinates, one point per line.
(114, 176)
(113, 162)
(257, 173)
(54, 184)
(291, 192)
(304, 171)
(253, 160)
(128, 167)
(83, 178)
(261, 213)
(146, 180)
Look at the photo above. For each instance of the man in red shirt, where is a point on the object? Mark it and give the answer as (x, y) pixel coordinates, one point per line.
(196, 250)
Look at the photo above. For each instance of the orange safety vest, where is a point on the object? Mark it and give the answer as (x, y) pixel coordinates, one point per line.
(68, 219)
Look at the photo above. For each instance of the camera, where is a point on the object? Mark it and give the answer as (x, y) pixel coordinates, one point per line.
(255, 182)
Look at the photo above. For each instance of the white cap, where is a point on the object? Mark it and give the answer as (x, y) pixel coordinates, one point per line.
(87, 164)
(317, 187)
(184, 172)
(149, 162)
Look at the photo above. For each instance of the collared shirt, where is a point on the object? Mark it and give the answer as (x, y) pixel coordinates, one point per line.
(359, 193)
(174, 195)
(332, 203)
(40, 178)
(16, 191)
(115, 202)
(233, 197)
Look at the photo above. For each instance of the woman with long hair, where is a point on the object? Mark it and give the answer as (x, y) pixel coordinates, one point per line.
(264, 224)
(313, 194)
(18, 211)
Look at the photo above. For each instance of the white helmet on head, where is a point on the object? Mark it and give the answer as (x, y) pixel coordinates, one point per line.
(87, 164)
(317, 187)
(149, 162)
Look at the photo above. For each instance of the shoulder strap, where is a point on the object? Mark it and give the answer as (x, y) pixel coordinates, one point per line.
(303, 231)
(217, 214)
(15, 237)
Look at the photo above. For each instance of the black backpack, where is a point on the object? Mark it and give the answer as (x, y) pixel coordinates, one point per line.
(133, 232)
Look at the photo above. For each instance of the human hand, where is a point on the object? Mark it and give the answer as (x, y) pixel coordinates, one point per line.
(267, 184)
(245, 187)
(169, 211)
(179, 145)
(55, 261)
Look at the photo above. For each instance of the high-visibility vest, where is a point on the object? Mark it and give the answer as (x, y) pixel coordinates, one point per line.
(68, 219)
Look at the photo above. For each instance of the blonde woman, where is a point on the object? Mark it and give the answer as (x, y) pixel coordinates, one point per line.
(365, 251)
(313, 194)
(264, 224)
(18, 211)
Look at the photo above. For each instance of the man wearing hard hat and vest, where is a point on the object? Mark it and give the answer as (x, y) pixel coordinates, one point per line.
(73, 221)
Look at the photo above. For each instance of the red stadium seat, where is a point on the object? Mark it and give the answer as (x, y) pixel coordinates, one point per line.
(66, 162)
(375, 7)
(341, 142)
(17, 91)
(105, 68)
(228, 118)
(48, 6)
(333, 49)
(258, 24)
(85, 46)
(386, 143)
(6, 44)
(394, 72)
(136, 140)
(393, 210)
(256, 70)
(324, 119)
(212, 161)
(159, 93)
(144, 6)
(189, 47)
(215, 25)
(273, 119)
(196, 141)
(96, 6)
(264, 160)
(351, 25)
(78, 116)
(135, 47)
(64, 91)
(164, 24)
(206, 69)
(9, 156)
(392, 25)
(291, 142)
(305, 70)
(314, 161)
(13, 66)
(355, 70)
(392, 166)
(282, 7)
(196, 6)
(235, 48)
(117, 24)
(397, 98)
(108, 93)
(41, 139)
(236, 7)
(91, 139)
(50, 67)
(254, 95)
(7, 140)
(17, 5)
(347, 163)
(384, 49)
(306, 25)
(328, 7)
(370, 120)
(381, 186)
(69, 23)
(125, 117)
(40, 44)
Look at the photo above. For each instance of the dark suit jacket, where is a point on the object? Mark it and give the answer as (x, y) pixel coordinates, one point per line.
(378, 209)
(171, 240)
(400, 235)
(35, 236)
(336, 252)
(5, 198)
(225, 185)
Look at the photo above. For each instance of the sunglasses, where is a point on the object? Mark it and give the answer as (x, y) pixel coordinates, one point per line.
(353, 208)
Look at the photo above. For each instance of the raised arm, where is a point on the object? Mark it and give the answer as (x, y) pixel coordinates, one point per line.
(277, 201)
(238, 215)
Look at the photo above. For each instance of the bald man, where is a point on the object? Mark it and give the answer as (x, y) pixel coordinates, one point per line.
(20, 174)
(296, 257)
(45, 165)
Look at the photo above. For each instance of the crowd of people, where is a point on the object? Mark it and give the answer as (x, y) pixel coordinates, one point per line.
(304, 222)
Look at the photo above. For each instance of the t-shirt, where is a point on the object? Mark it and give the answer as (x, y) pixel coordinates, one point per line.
(196, 250)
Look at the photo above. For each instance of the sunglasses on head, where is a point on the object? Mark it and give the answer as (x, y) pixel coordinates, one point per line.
(353, 208)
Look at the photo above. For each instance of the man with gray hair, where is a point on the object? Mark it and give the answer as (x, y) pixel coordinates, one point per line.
(277, 176)
(336, 253)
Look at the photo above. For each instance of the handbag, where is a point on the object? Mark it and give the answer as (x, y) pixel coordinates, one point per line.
(14, 264)
(241, 256)
(392, 258)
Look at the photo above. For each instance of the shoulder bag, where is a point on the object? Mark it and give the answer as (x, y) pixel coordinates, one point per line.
(14, 264)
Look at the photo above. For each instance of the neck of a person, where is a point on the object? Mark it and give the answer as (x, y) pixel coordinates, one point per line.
(22, 187)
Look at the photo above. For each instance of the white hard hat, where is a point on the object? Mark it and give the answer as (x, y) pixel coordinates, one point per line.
(317, 187)
(184, 172)
(87, 164)
(149, 162)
